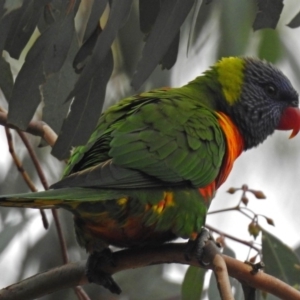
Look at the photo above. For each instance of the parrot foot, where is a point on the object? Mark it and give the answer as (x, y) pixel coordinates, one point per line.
(96, 275)
(196, 247)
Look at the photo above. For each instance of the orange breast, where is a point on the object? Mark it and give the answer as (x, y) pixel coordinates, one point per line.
(234, 147)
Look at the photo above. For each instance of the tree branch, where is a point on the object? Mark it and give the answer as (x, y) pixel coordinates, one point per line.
(212, 254)
(73, 274)
(37, 128)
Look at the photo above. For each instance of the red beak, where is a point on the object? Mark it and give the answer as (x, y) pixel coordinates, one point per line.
(290, 120)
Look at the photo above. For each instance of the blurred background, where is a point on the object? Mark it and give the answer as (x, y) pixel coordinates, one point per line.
(224, 28)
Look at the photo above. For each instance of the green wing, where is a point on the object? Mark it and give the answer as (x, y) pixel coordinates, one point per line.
(155, 139)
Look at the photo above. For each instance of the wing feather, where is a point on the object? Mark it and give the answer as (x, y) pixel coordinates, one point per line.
(152, 141)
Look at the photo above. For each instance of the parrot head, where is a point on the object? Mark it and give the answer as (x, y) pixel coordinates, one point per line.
(258, 97)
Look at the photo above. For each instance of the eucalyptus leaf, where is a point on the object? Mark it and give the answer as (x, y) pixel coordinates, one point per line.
(24, 26)
(167, 25)
(268, 14)
(85, 111)
(295, 22)
(6, 78)
(56, 90)
(192, 285)
(45, 57)
(280, 260)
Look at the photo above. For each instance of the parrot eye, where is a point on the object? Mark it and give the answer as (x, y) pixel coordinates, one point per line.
(270, 89)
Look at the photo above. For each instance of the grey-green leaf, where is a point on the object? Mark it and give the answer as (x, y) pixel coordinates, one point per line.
(85, 111)
(23, 26)
(45, 58)
(56, 90)
(166, 27)
(192, 285)
(280, 260)
(268, 14)
(6, 78)
(118, 16)
(295, 22)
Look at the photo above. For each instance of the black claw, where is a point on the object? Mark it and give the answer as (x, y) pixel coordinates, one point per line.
(195, 247)
(256, 267)
(96, 275)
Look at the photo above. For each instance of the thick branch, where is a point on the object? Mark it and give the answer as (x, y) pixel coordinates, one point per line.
(73, 274)
(217, 263)
(220, 271)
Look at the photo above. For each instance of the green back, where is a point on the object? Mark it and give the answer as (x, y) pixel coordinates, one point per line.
(168, 134)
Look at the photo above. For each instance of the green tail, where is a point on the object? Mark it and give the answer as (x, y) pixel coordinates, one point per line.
(57, 198)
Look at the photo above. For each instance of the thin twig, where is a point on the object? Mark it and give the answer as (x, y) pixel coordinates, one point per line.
(79, 292)
(33, 158)
(60, 234)
(249, 244)
(235, 208)
(37, 166)
(223, 210)
(17, 161)
(73, 274)
(24, 174)
(43, 180)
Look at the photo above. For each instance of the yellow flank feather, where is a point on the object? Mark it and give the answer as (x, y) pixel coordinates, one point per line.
(159, 207)
(122, 201)
(169, 198)
(231, 77)
(167, 201)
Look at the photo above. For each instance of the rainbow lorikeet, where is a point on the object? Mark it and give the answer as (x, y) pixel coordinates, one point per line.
(155, 160)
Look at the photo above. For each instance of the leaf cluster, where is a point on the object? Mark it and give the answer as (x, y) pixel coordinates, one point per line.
(69, 53)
